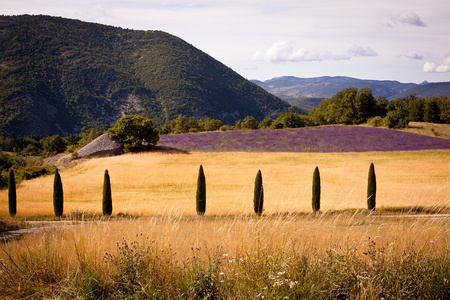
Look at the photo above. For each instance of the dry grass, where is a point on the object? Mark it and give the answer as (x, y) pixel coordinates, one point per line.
(346, 255)
(155, 184)
(430, 129)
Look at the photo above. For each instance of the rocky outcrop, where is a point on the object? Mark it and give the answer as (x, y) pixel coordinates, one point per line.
(103, 145)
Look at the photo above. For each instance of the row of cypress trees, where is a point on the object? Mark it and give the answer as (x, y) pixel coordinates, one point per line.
(58, 195)
(258, 196)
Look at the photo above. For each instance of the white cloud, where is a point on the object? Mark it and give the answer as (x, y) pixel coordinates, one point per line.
(414, 55)
(287, 51)
(429, 67)
(361, 51)
(408, 18)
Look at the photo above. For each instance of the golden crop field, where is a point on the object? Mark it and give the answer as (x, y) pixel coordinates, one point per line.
(155, 183)
(164, 251)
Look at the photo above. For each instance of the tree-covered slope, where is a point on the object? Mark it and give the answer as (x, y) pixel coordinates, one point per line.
(60, 75)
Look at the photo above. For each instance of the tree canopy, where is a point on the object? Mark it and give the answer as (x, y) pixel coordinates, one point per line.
(135, 132)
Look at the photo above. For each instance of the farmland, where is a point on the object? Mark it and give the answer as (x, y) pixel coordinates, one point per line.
(309, 139)
(160, 249)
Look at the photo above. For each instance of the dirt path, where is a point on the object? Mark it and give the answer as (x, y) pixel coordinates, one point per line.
(37, 227)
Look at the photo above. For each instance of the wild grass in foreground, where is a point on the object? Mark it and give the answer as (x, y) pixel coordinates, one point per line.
(278, 256)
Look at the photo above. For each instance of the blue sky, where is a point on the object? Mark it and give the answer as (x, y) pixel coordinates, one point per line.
(407, 41)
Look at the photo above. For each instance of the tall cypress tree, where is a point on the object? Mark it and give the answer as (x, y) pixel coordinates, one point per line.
(58, 200)
(201, 193)
(316, 190)
(371, 188)
(12, 199)
(107, 199)
(258, 196)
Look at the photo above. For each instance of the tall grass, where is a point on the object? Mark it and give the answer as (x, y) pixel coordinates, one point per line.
(155, 184)
(356, 256)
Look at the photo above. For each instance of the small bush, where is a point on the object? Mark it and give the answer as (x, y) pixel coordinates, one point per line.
(376, 121)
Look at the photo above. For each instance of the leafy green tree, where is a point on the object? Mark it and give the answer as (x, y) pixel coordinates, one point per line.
(58, 195)
(258, 195)
(107, 199)
(54, 144)
(201, 193)
(348, 106)
(316, 190)
(289, 120)
(266, 123)
(135, 132)
(249, 123)
(397, 116)
(12, 198)
(415, 108)
(210, 124)
(431, 111)
(371, 188)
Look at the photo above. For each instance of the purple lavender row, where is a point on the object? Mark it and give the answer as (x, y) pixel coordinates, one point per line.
(306, 139)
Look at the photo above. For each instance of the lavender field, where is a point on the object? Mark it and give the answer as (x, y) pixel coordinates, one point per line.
(307, 139)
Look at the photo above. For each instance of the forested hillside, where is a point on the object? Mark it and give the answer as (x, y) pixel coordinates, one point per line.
(61, 76)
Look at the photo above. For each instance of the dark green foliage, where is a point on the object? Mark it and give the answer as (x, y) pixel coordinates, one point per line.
(58, 75)
(12, 198)
(58, 197)
(184, 124)
(316, 190)
(348, 106)
(134, 132)
(258, 196)
(107, 199)
(371, 188)
(54, 144)
(23, 168)
(291, 120)
(201, 193)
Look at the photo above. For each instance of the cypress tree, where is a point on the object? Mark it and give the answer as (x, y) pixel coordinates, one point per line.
(107, 199)
(316, 190)
(12, 199)
(258, 197)
(58, 200)
(371, 188)
(201, 193)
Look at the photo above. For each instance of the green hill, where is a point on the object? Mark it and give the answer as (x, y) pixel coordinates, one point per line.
(61, 76)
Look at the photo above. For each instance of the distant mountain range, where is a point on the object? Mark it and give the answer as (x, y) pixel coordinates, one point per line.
(60, 76)
(289, 88)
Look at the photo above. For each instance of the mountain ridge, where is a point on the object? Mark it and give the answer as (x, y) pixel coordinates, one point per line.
(61, 76)
(290, 87)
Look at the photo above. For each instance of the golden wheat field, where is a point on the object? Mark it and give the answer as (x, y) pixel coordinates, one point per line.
(156, 183)
(162, 249)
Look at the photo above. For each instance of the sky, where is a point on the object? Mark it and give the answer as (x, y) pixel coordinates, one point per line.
(406, 41)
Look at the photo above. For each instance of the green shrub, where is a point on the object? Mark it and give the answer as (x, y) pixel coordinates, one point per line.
(371, 188)
(12, 199)
(107, 199)
(201, 192)
(58, 199)
(316, 190)
(376, 121)
(258, 197)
